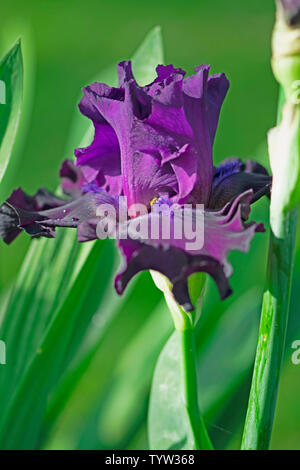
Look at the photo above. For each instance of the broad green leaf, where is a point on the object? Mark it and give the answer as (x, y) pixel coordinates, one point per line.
(48, 272)
(11, 89)
(168, 420)
(144, 61)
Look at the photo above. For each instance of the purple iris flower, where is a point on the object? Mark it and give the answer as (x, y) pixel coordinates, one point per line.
(153, 145)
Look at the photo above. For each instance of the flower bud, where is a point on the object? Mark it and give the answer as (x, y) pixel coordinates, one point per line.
(286, 49)
(291, 11)
(182, 319)
(283, 140)
(284, 151)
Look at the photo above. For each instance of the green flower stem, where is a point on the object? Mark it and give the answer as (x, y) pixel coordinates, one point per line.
(272, 333)
(189, 376)
(184, 324)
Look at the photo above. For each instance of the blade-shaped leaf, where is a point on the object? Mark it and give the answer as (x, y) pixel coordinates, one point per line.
(47, 274)
(168, 420)
(114, 406)
(11, 89)
(148, 56)
(24, 414)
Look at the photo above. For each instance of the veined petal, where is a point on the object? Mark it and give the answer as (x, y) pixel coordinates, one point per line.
(223, 232)
(174, 263)
(158, 137)
(21, 206)
(20, 212)
(100, 161)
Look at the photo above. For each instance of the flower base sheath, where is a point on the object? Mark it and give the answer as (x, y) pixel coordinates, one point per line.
(152, 144)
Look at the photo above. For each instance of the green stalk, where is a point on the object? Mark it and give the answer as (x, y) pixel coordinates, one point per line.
(189, 382)
(284, 153)
(185, 327)
(272, 333)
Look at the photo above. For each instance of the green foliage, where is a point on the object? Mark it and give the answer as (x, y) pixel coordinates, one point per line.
(57, 346)
(11, 89)
(168, 420)
(112, 409)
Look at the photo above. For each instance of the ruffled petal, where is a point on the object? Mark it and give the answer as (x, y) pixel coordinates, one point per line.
(37, 217)
(157, 137)
(22, 212)
(174, 263)
(20, 206)
(217, 87)
(233, 177)
(100, 161)
(203, 97)
(223, 232)
(72, 179)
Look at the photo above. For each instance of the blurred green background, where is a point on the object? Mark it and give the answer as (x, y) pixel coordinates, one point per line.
(65, 44)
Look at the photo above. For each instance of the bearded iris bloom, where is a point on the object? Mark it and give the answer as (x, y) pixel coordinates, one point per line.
(152, 144)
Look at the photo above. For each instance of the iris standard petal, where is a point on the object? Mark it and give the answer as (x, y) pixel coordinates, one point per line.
(162, 133)
(100, 161)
